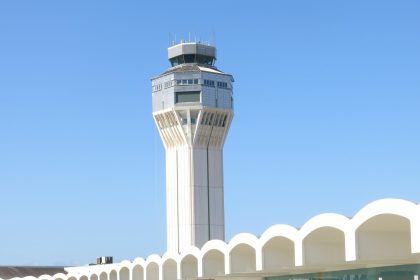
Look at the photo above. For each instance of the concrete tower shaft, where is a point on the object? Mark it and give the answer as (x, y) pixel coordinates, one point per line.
(193, 109)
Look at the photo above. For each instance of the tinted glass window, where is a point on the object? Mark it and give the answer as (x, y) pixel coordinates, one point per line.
(177, 60)
(202, 59)
(187, 96)
(192, 58)
(189, 58)
(174, 61)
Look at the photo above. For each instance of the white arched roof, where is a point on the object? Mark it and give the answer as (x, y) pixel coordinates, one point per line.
(139, 261)
(217, 245)
(393, 206)
(59, 275)
(349, 227)
(153, 259)
(244, 238)
(30, 278)
(170, 256)
(125, 263)
(285, 231)
(332, 220)
(194, 251)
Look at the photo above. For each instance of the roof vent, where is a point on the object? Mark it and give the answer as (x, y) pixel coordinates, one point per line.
(104, 260)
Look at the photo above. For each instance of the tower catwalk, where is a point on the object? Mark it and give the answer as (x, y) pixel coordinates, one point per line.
(193, 109)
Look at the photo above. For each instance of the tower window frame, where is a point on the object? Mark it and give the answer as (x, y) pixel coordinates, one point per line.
(187, 97)
(209, 83)
(222, 84)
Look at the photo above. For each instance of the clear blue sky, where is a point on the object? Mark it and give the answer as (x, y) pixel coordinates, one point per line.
(327, 117)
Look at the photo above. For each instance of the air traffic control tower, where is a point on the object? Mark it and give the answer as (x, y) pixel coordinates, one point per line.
(193, 109)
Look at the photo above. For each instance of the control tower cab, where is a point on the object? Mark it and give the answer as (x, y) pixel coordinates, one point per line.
(193, 78)
(193, 109)
(192, 53)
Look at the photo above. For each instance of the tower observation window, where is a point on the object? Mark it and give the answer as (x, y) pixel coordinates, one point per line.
(169, 84)
(187, 96)
(157, 87)
(203, 59)
(192, 58)
(209, 83)
(222, 84)
(185, 82)
(189, 58)
(177, 60)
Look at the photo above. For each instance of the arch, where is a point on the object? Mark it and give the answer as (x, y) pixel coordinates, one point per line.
(59, 276)
(113, 275)
(137, 273)
(23, 278)
(324, 246)
(125, 263)
(213, 263)
(278, 252)
(169, 270)
(103, 276)
(242, 258)
(72, 278)
(189, 267)
(214, 245)
(285, 231)
(330, 220)
(124, 274)
(94, 277)
(83, 277)
(139, 261)
(385, 236)
(152, 271)
(393, 206)
(243, 238)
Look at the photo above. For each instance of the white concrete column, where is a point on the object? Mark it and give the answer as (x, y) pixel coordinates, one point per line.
(258, 258)
(298, 252)
(415, 231)
(200, 266)
(350, 244)
(178, 269)
(227, 263)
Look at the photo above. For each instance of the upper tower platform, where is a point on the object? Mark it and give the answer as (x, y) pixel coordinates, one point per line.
(192, 80)
(192, 53)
